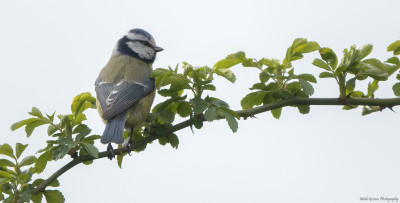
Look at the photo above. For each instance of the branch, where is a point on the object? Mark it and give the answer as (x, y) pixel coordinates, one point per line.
(242, 113)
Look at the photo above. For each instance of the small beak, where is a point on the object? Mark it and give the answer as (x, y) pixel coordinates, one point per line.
(158, 49)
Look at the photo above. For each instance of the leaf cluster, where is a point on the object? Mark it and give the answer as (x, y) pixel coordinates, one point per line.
(186, 92)
(67, 135)
(278, 81)
(16, 177)
(355, 64)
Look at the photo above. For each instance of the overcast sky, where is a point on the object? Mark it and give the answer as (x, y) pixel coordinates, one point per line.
(51, 51)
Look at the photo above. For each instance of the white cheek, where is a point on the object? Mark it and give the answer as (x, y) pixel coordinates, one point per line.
(143, 51)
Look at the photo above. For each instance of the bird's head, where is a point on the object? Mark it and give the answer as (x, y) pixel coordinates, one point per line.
(138, 43)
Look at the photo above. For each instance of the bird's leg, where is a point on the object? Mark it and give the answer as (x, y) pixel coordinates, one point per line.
(110, 149)
(130, 142)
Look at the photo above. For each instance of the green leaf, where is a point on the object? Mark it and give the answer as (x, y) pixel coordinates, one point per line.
(276, 113)
(369, 110)
(320, 63)
(78, 119)
(209, 87)
(36, 112)
(5, 174)
(329, 56)
(232, 122)
(82, 130)
(197, 122)
(351, 84)
(22, 123)
(199, 105)
(163, 141)
(19, 148)
(51, 130)
(184, 109)
(29, 160)
(217, 102)
(253, 99)
(6, 149)
(25, 194)
(395, 47)
(82, 102)
(54, 196)
(365, 50)
(272, 63)
(307, 77)
(375, 69)
(307, 87)
(394, 60)
(230, 111)
(41, 162)
(372, 87)
(173, 140)
(7, 163)
(340, 69)
(229, 61)
(55, 183)
(51, 118)
(210, 114)
(90, 139)
(37, 198)
(396, 89)
(91, 149)
(293, 87)
(357, 94)
(60, 151)
(178, 82)
(264, 77)
(119, 161)
(29, 128)
(326, 75)
(23, 177)
(227, 74)
(258, 86)
(167, 116)
(304, 109)
(307, 48)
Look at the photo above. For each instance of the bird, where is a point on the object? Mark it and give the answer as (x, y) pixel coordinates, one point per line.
(124, 88)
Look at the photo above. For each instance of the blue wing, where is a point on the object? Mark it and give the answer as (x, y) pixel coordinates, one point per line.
(116, 98)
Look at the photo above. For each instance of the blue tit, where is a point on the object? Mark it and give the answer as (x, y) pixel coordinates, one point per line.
(124, 88)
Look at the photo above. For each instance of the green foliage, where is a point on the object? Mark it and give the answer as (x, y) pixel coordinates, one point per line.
(185, 94)
(395, 47)
(185, 90)
(354, 63)
(278, 80)
(67, 136)
(16, 176)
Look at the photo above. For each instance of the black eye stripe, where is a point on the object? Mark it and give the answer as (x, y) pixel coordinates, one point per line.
(146, 43)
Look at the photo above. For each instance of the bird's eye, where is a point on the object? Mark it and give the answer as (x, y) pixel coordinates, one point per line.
(146, 43)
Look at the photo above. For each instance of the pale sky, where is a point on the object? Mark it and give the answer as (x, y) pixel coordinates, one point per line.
(51, 51)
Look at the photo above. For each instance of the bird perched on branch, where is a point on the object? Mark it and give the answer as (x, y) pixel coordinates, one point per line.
(124, 88)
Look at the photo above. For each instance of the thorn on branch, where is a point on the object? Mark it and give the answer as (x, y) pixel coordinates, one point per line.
(343, 101)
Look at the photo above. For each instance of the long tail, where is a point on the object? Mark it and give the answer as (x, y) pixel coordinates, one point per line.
(114, 131)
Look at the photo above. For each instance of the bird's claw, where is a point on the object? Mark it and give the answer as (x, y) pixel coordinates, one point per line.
(130, 146)
(110, 149)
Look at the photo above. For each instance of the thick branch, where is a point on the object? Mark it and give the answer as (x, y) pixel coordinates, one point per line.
(242, 113)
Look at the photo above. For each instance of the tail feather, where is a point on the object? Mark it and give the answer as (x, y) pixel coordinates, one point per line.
(114, 131)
